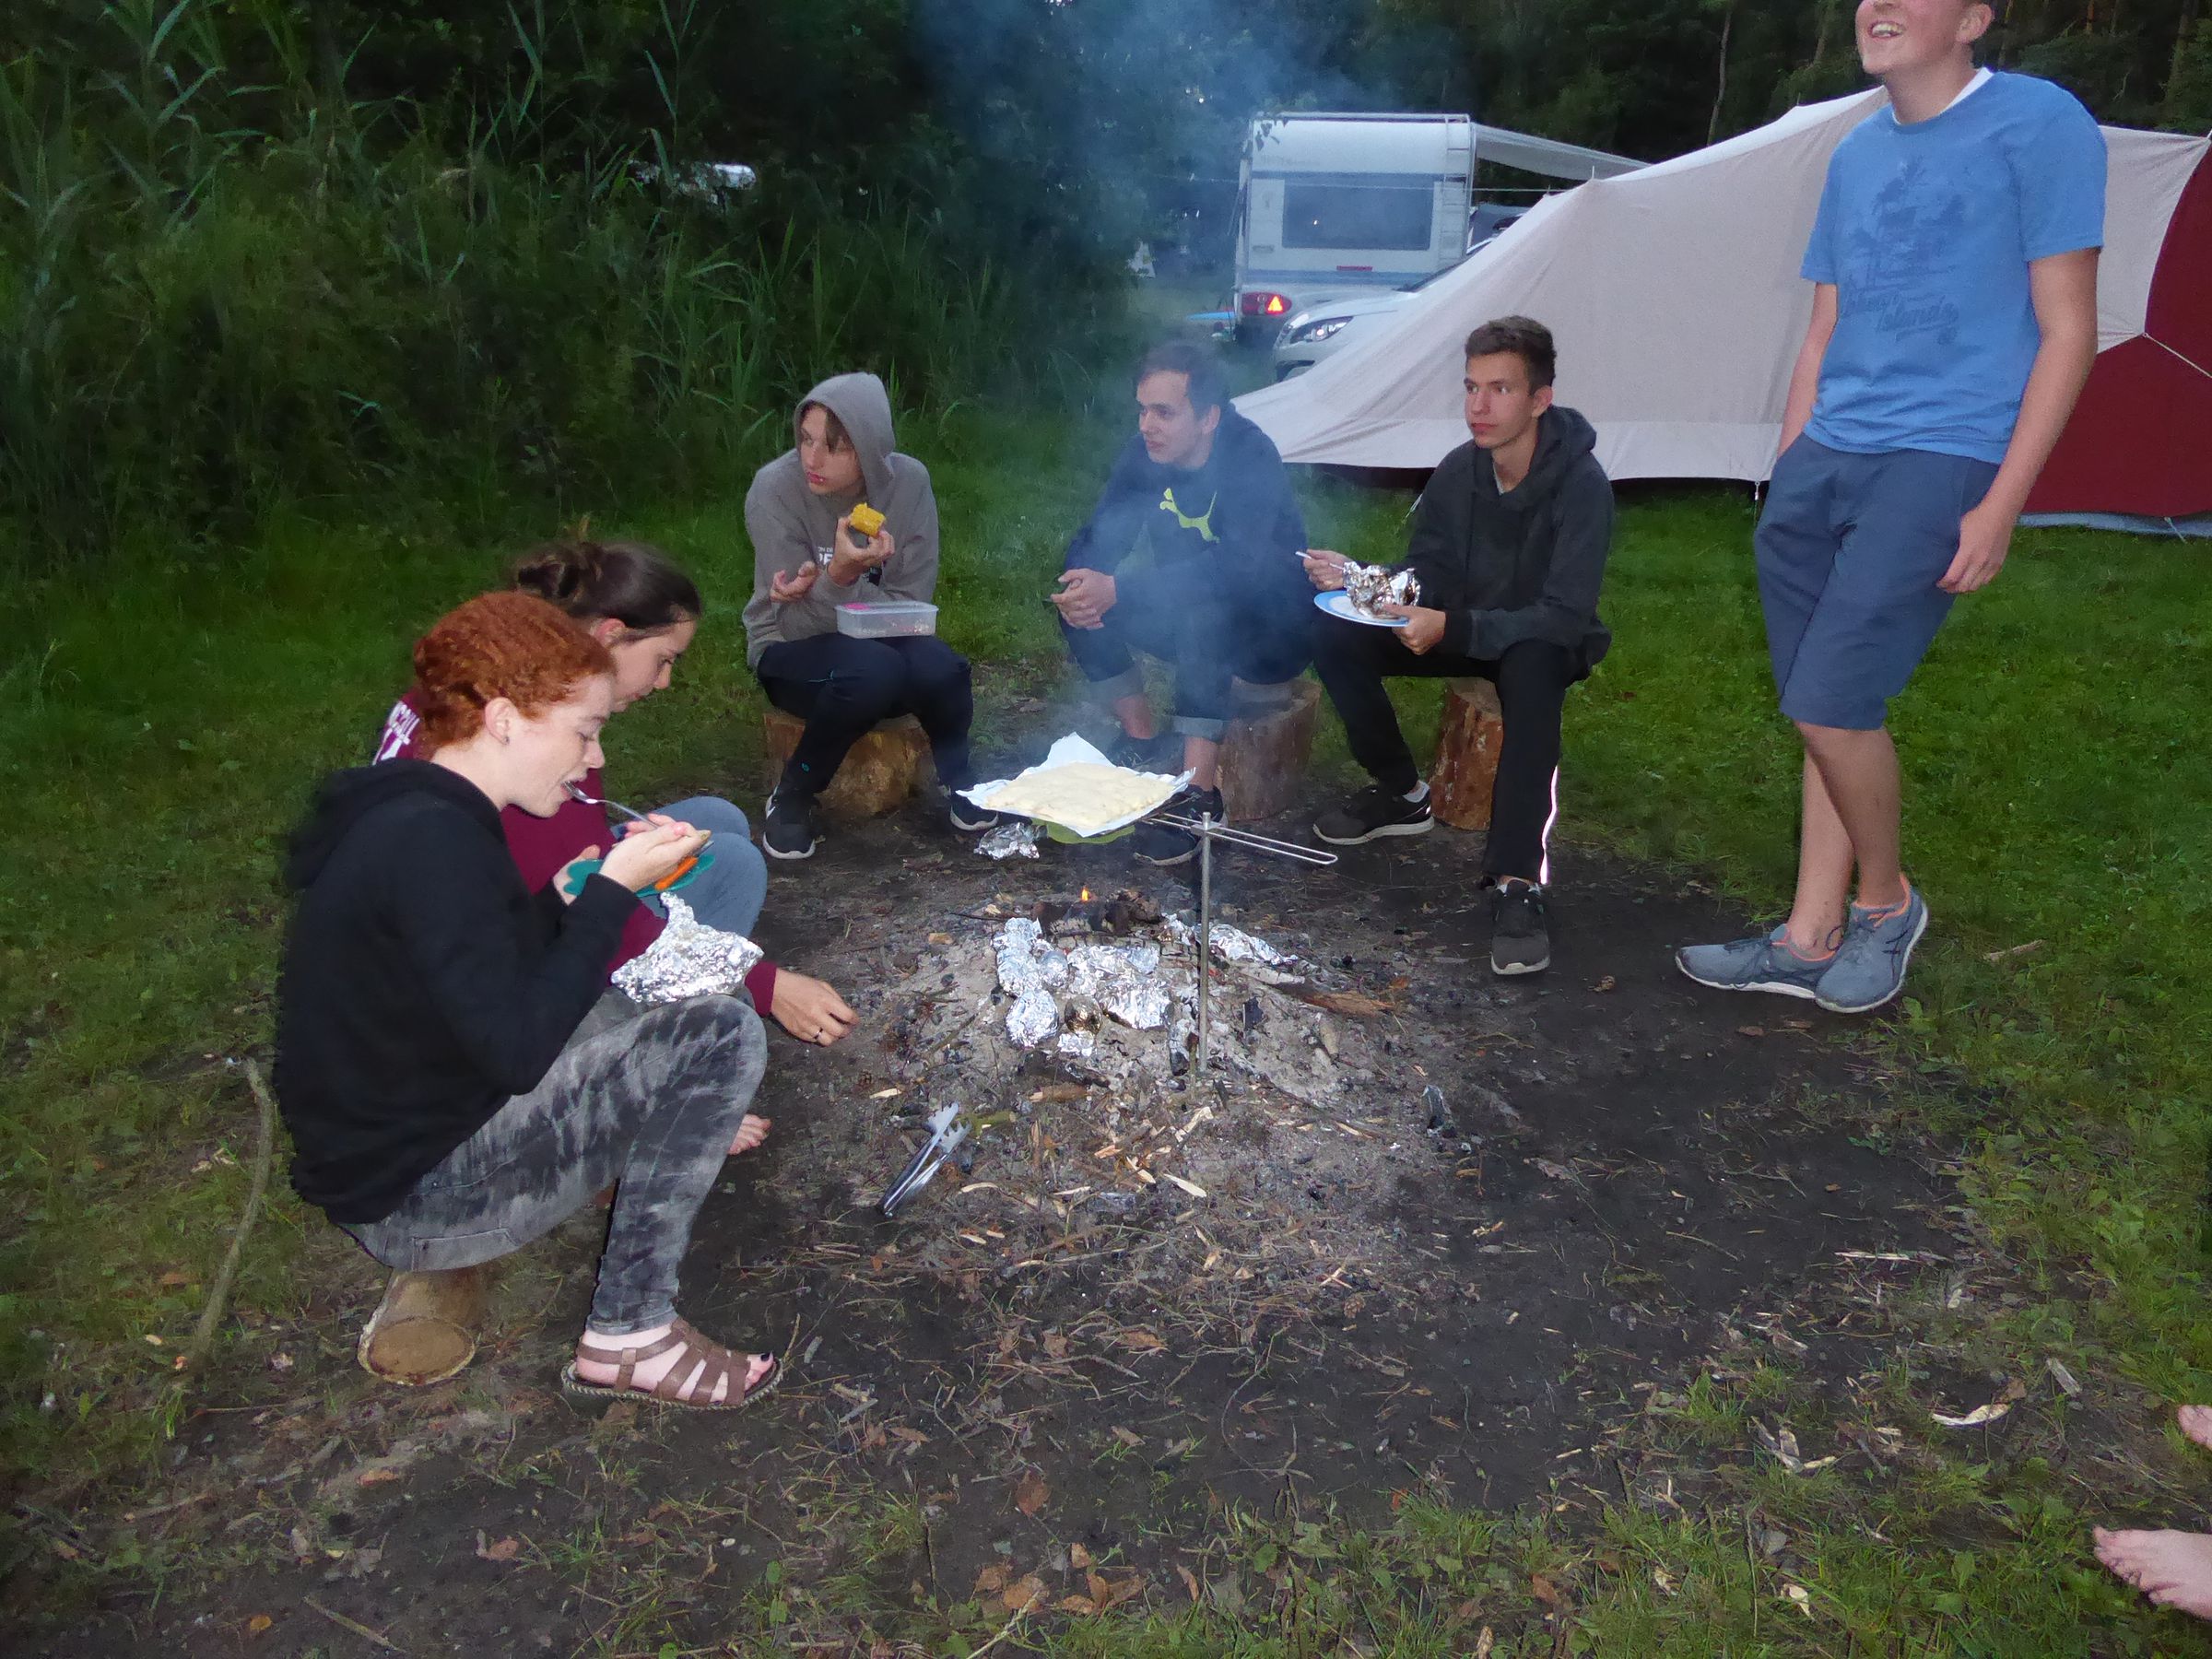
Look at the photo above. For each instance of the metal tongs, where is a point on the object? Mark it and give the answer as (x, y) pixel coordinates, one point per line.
(1215, 829)
(947, 1129)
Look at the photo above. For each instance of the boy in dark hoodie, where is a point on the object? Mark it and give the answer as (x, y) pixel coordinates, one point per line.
(1221, 598)
(1510, 543)
(807, 563)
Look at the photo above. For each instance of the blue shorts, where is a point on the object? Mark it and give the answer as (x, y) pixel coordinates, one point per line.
(1850, 550)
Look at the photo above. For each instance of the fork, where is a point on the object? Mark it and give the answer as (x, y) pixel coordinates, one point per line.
(578, 795)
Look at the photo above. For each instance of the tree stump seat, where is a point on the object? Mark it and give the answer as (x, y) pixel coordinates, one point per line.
(425, 1329)
(1468, 740)
(1265, 751)
(880, 771)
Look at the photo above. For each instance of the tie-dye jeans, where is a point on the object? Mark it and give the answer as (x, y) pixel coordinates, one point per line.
(647, 1100)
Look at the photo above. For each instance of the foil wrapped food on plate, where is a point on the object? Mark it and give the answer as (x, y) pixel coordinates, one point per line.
(1367, 587)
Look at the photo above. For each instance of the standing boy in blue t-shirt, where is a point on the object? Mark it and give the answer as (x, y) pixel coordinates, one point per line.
(1954, 322)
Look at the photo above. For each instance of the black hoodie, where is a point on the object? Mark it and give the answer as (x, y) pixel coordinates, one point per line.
(422, 984)
(1234, 519)
(1521, 565)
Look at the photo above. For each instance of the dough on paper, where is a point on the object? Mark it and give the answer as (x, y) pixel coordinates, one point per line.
(1080, 796)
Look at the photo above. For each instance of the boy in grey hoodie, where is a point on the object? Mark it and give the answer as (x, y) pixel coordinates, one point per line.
(807, 561)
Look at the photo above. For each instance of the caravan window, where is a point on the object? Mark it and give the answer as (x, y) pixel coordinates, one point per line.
(1356, 217)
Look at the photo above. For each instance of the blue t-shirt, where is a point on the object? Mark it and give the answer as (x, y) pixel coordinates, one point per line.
(1928, 231)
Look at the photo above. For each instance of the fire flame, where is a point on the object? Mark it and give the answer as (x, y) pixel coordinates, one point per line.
(1086, 895)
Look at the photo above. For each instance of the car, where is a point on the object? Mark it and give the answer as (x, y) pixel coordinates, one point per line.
(1319, 331)
(1323, 327)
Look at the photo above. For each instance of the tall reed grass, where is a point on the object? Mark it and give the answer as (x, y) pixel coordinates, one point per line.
(220, 292)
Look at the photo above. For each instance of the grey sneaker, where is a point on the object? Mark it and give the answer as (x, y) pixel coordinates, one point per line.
(1870, 969)
(1761, 964)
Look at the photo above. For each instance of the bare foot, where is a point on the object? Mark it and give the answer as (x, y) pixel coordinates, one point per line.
(2196, 1423)
(2174, 1568)
(750, 1133)
(597, 1361)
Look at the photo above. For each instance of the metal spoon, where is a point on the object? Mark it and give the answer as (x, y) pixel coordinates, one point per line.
(577, 794)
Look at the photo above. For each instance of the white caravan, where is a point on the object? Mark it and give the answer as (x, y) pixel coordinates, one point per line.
(1344, 203)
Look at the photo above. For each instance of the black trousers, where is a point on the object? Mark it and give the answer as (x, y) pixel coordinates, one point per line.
(1212, 634)
(1532, 680)
(842, 687)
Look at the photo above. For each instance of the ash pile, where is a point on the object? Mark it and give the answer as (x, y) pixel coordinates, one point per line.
(1108, 990)
(1067, 1032)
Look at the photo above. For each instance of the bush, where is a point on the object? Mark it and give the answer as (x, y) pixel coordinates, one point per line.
(201, 321)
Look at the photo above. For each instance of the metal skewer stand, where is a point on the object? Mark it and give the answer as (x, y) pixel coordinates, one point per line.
(1208, 830)
(1206, 940)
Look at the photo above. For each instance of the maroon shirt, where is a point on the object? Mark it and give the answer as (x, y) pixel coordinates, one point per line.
(542, 847)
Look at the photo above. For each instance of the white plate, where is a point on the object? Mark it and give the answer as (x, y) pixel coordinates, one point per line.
(1338, 602)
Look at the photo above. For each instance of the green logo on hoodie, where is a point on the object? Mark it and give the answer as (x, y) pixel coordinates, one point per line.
(1203, 523)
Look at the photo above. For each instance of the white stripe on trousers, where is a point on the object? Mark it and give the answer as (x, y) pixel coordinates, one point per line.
(1544, 850)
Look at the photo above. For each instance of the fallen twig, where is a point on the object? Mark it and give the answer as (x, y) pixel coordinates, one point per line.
(220, 1292)
(1020, 1613)
(355, 1625)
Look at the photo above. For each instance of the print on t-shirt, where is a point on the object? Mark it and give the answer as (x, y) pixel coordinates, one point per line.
(400, 726)
(1902, 265)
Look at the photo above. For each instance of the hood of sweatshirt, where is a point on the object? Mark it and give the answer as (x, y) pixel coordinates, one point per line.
(864, 408)
(1563, 436)
(344, 799)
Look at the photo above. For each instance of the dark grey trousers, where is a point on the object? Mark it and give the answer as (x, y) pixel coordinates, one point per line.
(647, 1101)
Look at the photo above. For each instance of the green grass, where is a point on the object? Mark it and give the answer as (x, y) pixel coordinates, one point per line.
(162, 720)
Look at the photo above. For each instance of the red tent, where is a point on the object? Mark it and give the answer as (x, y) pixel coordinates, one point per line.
(2140, 442)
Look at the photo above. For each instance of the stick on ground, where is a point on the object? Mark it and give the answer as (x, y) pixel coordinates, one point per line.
(264, 1151)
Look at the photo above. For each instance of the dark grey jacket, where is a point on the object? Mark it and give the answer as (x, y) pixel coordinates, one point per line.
(1521, 565)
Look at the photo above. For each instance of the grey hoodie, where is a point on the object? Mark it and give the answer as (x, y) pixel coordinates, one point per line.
(790, 525)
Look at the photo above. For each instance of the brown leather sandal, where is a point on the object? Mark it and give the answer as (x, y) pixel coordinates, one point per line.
(688, 1386)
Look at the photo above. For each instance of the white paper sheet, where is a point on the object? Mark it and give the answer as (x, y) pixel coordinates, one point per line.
(1073, 750)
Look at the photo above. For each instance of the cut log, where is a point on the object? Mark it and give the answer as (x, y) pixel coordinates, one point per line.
(425, 1330)
(1265, 751)
(881, 771)
(1467, 743)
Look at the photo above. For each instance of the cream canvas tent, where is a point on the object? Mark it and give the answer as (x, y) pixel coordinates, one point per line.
(1674, 295)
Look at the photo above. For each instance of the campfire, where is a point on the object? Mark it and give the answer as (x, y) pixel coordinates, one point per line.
(1067, 918)
(1089, 999)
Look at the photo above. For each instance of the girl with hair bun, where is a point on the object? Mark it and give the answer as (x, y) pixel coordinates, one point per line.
(453, 1077)
(640, 607)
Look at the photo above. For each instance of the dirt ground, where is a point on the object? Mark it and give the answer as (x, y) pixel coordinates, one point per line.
(1052, 1356)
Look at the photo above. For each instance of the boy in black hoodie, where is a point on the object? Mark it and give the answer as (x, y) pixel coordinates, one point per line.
(1221, 598)
(1510, 543)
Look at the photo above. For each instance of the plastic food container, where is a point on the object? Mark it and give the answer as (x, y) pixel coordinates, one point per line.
(886, 619)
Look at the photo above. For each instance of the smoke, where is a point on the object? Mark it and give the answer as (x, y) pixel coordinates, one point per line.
(1101, 122)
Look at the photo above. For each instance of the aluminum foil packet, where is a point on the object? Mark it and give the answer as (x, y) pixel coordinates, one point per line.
(1025, 962)
(1368, 586)
(1033, 1018)
(1232, 944)
(1124, 980)
(1015, 840)
(690, 958)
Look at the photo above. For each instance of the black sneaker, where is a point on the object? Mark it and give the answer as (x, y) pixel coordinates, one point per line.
(1372, 813)
(787, 826)
(968, 817)
(1519, 932)
(1164, 843)
(1159, 753)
